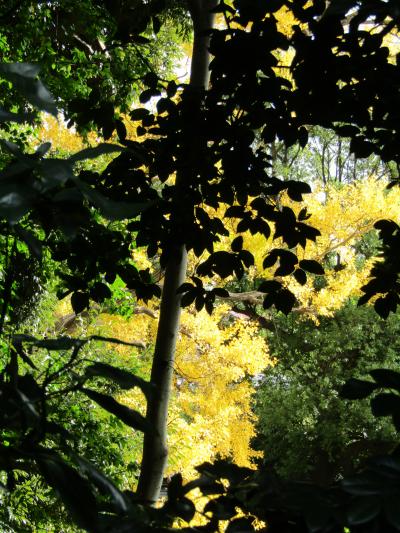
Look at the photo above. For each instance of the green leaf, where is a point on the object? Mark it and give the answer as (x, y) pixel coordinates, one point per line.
(130, 417)
(125, 379)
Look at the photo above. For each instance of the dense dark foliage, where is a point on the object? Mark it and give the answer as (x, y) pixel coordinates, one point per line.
(218, 162)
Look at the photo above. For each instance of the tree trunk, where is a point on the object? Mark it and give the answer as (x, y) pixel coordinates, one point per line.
(155, 451)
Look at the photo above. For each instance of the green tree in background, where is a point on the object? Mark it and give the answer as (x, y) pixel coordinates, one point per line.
(93, 50)
(306, 431)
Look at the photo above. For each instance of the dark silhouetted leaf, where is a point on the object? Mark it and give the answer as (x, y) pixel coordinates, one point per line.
(285, 301)
(184, 508)
(300, 276)
(175, 487)
(139, 114)
(312, 266)
(79, 302)
(91, 153)
(104, 485)
(61, 343)
(392, 509)
(363, 509)
(385, 404)
(24, 78)
(237, 244)
(386, 378)
(125, 414)
(19, 118)
(73, 489)
(240, 525)
(221, 508)
(357, 389)
(125, 379)
(111, 209)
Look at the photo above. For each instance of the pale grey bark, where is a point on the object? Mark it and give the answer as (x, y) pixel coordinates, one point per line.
(155, 450)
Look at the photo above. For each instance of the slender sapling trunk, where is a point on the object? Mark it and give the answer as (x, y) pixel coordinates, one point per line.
(155, 450)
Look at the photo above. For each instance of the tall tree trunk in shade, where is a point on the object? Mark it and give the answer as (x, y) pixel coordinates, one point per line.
(155, 450)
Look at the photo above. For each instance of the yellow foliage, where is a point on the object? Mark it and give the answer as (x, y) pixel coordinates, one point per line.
(140, 328)
(141, 260)
(210, 411)
(212, 389)
(285, 21)
(62, 138)
(343, 214)
(64, 307)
